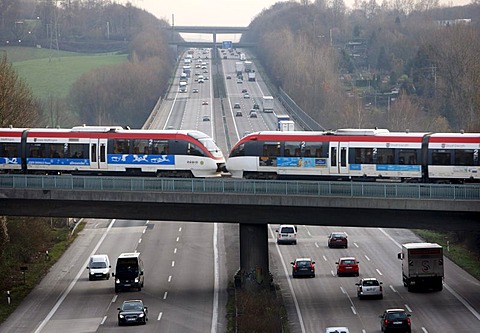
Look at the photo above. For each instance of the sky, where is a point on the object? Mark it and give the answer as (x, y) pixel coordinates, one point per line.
(219, 12)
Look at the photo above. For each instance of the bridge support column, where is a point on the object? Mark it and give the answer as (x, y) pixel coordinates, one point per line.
(254, 266)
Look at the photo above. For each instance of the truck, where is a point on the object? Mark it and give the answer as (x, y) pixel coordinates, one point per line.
(183, 87)
(248, 66)
(286, 125)
(280, 118)
(251, 76)
(243, 57)
(267, 104)
(239, 68)
(422, 266)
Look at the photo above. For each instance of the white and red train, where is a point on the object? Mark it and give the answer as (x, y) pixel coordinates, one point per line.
(110, 150)
(363, 154)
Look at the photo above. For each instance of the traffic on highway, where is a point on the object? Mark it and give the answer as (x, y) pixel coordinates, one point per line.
(171, 276)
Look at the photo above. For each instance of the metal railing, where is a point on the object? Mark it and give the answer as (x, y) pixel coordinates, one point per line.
(244, 187)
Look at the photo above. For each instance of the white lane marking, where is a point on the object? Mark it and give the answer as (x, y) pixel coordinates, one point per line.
(366, 257)
(324, 258)
(453, 292)
(103, 320)
(74, 281)
(175, 251)
(165, 295)
(333, 273)
(393, 289)
(316, 244)
(216, 284)
(160, 316)
(343, 290)
(173, 263)
(114, 298)
(424, 330)
(408, 308)
(180, 229)
(170, 278)
(139, 241)
(289, 281)
(178, 238)
(378, 271)
(353, 310)
(356, 245)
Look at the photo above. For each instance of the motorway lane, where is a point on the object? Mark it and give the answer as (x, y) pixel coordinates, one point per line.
(328, 300)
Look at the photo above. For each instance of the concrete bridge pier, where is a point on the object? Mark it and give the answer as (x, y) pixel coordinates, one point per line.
(254, 266)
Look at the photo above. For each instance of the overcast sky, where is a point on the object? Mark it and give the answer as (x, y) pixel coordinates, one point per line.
(219, 12)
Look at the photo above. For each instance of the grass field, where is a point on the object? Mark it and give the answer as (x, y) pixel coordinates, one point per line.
(52, 73)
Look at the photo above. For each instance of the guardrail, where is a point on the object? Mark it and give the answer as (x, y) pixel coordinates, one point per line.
(244, 187)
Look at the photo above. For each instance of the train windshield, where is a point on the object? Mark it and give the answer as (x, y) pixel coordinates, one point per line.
(207, 142)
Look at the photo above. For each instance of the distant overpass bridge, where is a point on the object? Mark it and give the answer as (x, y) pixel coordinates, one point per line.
(213, 30)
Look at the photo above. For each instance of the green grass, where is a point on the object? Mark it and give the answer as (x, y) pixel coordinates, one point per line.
(53, 73)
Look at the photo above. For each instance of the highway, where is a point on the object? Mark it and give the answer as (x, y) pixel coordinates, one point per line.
(188, 265)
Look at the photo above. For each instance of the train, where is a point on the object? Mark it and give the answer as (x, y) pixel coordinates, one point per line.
(110, 150)
(357, 154)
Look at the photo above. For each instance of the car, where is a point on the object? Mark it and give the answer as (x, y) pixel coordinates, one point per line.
(236, 106)
(195, 90)
(347, 266)
(337, 330)
(253, 113)
(337, 239)
(369, 287)
(287, 233)
(99, 267)
(397, 320)
(205, 103)
(201, 81)
(206, 118)
(303, 267)
(132, 312)
(229, 77)
(246, 95)
(238, 113)
(239, 81)
(256, 106)
(206, 78)
(244, 90)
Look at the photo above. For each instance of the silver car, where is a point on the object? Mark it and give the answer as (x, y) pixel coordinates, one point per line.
(369, 287)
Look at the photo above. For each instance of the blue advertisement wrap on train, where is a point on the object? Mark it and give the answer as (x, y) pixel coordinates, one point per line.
(13, 160)
(58, 161)
(301, 162)
(141, 159)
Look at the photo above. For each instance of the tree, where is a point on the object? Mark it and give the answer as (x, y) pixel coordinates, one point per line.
(17, 104)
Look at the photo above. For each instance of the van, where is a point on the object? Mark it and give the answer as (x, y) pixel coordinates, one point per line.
(99, 267)
(129, 272)
(287, 233)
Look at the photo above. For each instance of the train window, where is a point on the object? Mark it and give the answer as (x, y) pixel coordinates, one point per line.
(333, 159)
(160, 147)
(238, 151)
(362, 155)
(36, 150)
(289, 149)
(271, 149)
(407, 156)
(76, 150)
(441, 157)
(10, 150)
(385, 156)
(464, 157)
(56, 150)
(140, 146)
(121, 146)
(194, 150)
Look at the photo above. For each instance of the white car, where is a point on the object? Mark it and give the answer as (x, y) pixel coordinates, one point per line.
(287, 233)
(337, 330)
(369, 287)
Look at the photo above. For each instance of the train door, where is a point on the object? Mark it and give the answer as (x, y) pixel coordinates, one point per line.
(338, 158)
(98, 154)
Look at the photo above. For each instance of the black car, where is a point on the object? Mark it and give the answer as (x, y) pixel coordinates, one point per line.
(395, 320)
(303, 267)
(132, 312)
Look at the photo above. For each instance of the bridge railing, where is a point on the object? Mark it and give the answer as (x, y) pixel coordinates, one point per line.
(241, 186)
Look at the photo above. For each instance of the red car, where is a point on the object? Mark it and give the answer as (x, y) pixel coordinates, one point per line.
(347, 266)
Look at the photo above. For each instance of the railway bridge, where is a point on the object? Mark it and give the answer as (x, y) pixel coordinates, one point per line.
(252, 203)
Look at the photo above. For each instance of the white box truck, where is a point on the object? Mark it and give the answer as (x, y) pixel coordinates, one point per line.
(267, 104)
(286, 125)
(422, 266)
